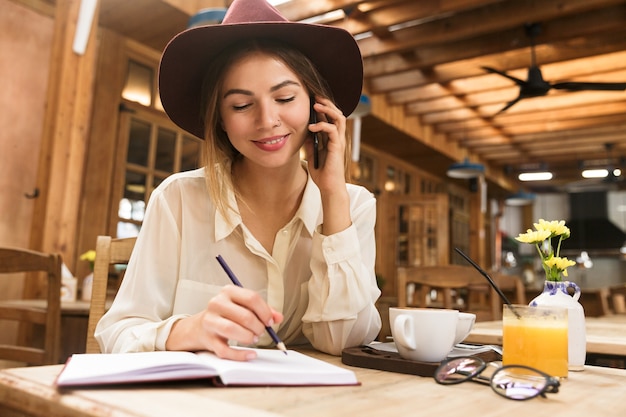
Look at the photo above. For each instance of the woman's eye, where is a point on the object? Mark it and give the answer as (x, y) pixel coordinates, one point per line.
(241, 107)
(285, 100)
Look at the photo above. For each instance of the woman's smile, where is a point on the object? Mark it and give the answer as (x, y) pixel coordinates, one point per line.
(271, 144)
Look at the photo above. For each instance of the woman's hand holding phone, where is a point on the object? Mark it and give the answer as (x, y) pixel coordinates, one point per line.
(327, 126)
(330, 177)
(328, 144)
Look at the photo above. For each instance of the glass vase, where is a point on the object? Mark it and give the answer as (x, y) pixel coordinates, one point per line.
(555, 293)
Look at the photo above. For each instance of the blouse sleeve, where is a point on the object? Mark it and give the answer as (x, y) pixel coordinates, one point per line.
(140, 318)
(342, 290)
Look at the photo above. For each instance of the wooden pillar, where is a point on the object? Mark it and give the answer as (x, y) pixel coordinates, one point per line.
(65, 133)
(95, 209)
(477, 224)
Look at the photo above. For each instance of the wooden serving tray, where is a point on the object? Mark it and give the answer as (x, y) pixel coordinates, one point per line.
(368, 357)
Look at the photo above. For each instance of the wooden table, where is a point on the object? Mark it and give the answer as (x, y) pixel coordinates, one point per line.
(30, 392)
(605, 335)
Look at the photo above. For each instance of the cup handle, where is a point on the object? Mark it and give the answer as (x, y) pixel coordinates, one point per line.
(403, 331)
(576, 288)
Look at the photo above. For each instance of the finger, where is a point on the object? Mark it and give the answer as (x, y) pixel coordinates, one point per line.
(255, 311)
(277, 317)
(226, 352)
(330, 111)
(226, 328)
(231, 320)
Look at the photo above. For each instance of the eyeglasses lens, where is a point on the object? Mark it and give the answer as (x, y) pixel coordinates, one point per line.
(519, 383)
(458, 370)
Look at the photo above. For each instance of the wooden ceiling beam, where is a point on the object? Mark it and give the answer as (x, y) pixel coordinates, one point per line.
(601, 125)
(296, 10)
(502, 16)
(385, 14)
(404, 86)
(605, 22)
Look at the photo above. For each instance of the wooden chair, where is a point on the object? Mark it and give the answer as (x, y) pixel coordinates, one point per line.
(458, 287)
(16, 261)
(108, 252)
(449, 281)
(618, 297)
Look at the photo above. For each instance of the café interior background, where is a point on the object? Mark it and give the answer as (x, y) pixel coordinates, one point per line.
(66, 160)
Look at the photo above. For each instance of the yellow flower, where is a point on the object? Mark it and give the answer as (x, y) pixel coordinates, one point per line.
(556, 228)
(553, 265)
(89, 256)
(534, 236)
(560, 264)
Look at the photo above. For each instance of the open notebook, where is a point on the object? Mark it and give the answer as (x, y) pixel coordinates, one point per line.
(271, 367)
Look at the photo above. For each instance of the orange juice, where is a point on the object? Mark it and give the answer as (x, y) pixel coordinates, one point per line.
(538, 339)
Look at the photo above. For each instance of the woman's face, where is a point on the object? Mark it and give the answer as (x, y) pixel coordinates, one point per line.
(264, 110)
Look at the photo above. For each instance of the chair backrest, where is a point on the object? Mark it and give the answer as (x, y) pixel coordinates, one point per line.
(449, 282)
(14, 261)
(444, 277)
(452, 280)
(109, 252)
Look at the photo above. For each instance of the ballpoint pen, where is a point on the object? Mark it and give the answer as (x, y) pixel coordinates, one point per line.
(279, 344)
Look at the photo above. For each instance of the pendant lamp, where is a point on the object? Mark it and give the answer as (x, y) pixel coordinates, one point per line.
(362, 109)
(210, 16)
(520, 198)
(465, 170)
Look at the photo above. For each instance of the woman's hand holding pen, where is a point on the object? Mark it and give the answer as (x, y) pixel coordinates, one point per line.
(236, 313)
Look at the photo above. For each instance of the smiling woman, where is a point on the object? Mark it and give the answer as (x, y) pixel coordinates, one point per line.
(288, 229)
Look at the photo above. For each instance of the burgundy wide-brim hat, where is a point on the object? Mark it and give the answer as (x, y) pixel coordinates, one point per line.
(189, 54)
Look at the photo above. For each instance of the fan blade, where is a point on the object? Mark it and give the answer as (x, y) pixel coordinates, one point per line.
(508, 105)
(504, 74)
(582, 86)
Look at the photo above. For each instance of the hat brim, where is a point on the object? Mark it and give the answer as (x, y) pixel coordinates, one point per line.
(187, 57)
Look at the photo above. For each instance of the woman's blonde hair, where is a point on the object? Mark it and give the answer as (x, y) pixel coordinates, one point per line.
(219, 154)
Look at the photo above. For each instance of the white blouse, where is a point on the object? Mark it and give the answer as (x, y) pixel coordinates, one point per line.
(325, 286)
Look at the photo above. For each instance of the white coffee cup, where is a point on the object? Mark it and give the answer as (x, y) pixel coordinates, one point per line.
(423, 334)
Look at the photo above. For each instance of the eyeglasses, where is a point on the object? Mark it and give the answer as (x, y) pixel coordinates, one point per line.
(516, 382)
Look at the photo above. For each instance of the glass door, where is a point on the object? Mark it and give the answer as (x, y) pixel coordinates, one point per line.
(154, 149)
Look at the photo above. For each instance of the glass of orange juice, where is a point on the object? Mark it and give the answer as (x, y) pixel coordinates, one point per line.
(535, 337)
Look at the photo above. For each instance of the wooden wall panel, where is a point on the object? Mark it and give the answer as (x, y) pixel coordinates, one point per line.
(25, 42)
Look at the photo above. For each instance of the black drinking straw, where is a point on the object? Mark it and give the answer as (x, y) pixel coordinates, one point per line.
(493, 284)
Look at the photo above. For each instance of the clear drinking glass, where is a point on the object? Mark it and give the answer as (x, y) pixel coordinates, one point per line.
(535, 337)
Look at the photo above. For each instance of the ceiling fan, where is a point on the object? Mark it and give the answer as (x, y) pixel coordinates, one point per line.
(536, 86)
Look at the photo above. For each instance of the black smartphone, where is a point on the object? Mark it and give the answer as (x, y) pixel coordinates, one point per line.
(316, 141)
